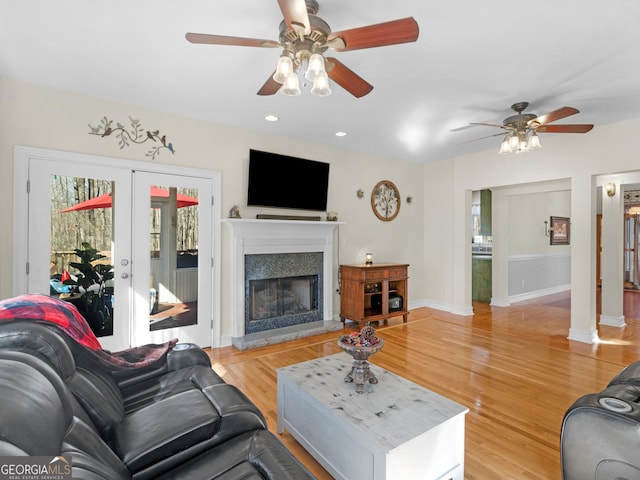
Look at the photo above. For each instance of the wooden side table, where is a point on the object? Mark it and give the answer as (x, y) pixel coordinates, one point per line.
(370, 293)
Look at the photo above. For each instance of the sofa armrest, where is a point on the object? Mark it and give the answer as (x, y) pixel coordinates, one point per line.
(237, 413)
(600, 435)
(187, 355)
(181, 356)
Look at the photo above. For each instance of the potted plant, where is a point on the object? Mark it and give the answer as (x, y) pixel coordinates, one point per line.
(93, 295)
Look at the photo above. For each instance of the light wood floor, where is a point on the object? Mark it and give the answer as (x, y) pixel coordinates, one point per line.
(511, 366)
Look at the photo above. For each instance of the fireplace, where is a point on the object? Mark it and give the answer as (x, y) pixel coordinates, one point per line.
(273, 298)
(295, 256)
(282, 289)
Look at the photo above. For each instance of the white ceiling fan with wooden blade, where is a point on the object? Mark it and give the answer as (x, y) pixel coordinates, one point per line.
(303, 34)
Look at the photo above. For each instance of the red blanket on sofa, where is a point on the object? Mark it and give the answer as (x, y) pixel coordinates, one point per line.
(67, 317)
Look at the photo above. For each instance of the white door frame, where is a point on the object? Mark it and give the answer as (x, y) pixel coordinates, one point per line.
(22, 156)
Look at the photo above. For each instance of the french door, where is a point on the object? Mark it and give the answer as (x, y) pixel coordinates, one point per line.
(173, 281)
(54, 234)
(149, 234)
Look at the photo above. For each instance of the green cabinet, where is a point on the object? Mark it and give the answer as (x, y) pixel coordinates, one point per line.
(481, 278)
(485, 213)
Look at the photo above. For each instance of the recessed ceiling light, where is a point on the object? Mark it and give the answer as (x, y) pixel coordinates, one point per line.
(271, 118)
(341, 134)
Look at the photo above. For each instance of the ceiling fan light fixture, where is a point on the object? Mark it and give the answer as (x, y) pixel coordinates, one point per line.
(504, 146)
(534, 141)
(321, 86)
(514, 142)
(284, 69)
(522, 129)
(291, 86)
(315, 68)
(523, 145)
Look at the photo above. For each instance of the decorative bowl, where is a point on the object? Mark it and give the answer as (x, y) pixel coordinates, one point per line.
(359, 352)
(360, 372)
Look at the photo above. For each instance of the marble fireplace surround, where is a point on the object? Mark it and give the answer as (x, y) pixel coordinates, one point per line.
(251, 237)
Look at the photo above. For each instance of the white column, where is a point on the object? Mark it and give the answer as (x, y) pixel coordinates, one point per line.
(583, 249)
(612, 257)
(462, 254)
(499, 259)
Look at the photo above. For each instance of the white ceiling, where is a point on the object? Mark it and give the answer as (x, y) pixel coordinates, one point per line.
(472, 60)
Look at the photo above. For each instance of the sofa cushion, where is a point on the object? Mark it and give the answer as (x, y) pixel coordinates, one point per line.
(37, 418)
(164, 429)
(32, 414)
(151, 390)
(91, 457)
(256, 455)
(41, 340)
(100, 398)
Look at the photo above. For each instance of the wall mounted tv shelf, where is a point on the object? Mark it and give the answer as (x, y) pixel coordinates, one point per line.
(267, 216)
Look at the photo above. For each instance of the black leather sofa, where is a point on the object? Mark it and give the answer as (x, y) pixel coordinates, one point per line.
(169, 418)
(600, 436)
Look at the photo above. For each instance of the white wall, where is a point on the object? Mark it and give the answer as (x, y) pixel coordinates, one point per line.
(578, 158)
(37, 116)
(534, 267)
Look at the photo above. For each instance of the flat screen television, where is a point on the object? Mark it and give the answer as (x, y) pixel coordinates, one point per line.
(282, 181)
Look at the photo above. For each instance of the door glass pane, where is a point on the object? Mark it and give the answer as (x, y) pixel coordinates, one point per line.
(173, 245)
(81, 265)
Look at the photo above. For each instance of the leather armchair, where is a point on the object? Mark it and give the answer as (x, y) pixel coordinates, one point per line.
(601, 432)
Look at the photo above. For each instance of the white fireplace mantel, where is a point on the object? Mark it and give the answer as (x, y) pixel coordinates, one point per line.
(252, 237)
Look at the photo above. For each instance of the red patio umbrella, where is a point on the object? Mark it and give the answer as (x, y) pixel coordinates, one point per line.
(105, 200)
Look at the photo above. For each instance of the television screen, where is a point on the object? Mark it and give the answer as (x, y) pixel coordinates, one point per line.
(282, 181)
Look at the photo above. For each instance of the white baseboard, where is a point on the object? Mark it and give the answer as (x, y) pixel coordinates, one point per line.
(447, 307)
(584, 336)
(612, 321)
(537, 293)
(500, 302)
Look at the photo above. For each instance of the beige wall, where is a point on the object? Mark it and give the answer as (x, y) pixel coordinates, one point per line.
(526, 216)
(42, 117)
(432, 234)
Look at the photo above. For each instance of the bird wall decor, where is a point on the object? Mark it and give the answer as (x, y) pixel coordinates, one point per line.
(136, 134)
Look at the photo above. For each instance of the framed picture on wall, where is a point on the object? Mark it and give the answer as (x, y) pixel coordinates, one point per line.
(559, 231)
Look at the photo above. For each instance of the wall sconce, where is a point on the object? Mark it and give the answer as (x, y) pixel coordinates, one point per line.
(360, 193)
(547, 230)
(409, 199)
(368, 258)
(610, 188)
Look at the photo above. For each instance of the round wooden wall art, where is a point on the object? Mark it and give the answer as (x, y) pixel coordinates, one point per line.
(385, 200)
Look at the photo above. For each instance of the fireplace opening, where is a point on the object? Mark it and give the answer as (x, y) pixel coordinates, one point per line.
(283, 290)
(276, 297)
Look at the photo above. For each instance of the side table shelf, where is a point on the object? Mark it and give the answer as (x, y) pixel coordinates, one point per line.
(370, 293)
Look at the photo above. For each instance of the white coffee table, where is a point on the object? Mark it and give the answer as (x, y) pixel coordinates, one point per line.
(396, 429)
